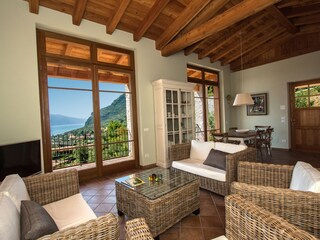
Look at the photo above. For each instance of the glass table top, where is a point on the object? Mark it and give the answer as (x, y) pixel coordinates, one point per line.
(168, 180)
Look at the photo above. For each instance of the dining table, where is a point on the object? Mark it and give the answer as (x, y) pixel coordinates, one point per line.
(241, 136)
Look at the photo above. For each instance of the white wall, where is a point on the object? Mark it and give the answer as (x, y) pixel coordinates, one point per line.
(19, 92)
(273, 79)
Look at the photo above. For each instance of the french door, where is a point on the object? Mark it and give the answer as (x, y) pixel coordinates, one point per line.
(305, 115)
(88, 106)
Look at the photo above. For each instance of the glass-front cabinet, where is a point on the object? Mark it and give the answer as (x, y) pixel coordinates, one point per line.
(174, 116)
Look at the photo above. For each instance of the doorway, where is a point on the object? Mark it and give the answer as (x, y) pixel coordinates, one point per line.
(305, 115)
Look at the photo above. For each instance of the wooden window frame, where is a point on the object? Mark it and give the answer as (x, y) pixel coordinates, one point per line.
(204, 82)
(43, 58)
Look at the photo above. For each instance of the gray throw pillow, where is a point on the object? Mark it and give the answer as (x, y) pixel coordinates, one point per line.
(216, 159)
(35, 221)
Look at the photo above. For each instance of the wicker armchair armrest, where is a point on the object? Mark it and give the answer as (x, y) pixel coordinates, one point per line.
(245, 220)
(104, 227)
(273, 175)
(249, 154)
(51, 187)
(137, 229)
(179, 151)
(299, 208)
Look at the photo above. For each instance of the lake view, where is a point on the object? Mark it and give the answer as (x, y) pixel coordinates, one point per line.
(58, 129)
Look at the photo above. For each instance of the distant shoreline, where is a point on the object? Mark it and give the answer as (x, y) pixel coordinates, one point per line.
(59, 129)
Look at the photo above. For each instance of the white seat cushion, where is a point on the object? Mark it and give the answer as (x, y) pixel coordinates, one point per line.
(196, 166)
(305, 178)
(223, 237)
(69, 212)
(228, 147)
(14, 187)
(200, 150)
(9, 219)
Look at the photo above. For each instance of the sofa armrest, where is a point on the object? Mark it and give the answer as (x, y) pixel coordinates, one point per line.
(273, 175)
(137, 229)
(104, 227)
(51, 187)
(179, 152)
(245, 220)
(249, 154)
(299, 208)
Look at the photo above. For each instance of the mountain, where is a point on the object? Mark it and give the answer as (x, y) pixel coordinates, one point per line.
(57, 119)
(116, 111)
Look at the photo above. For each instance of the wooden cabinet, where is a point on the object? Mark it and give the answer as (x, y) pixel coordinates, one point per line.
(174, 116)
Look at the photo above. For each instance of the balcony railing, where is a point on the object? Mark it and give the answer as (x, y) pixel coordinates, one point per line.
(69, 150)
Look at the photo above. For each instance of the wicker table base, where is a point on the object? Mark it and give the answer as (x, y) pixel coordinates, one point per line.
(163, 212)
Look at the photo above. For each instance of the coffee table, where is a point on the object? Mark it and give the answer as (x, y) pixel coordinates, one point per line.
(162, 203)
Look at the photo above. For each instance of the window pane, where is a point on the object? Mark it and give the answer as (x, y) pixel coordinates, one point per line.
(301, 91)
(211, 76)
(113, 81)
(198, 103)
(115, 118)
(67, 48)
(315, 101)
(69, 83)
(301, 102)
(71, 125)
(314, 89)
(193, 73)
(108, 56)
(68, 71)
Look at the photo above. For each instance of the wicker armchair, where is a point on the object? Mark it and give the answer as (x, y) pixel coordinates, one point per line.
(182, 151)
(137, 229)
(267, 185)
(245, 220)
(50, 187)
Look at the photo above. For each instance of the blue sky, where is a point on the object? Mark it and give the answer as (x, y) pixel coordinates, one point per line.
(75, 103)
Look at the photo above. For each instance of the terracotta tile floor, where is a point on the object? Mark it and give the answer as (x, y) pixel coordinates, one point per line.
(210, 223)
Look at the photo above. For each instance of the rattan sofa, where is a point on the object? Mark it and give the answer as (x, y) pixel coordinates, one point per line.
(244, 220)
(182, 151)
(267, 185)
(51, 187)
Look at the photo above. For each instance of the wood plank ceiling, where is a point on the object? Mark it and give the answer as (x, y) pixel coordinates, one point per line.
(269, 30)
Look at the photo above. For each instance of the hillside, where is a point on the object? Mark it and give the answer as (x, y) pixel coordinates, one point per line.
(116, 111)
(57, 119)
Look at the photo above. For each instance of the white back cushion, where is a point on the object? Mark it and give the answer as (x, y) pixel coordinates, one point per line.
(70, 212)
(200, 150)
(13, 187)
(305, 178)
(229, 148)
(9, 219)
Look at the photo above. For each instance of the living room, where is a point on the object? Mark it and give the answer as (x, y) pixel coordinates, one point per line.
(19, 85)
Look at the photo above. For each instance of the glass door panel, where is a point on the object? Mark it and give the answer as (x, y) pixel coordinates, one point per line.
(71, 107)
(115, 116)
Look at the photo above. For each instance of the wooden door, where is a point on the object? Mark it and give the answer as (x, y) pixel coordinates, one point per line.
(305, 115)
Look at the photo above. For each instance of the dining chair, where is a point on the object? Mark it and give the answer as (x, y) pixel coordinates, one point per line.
(223, 137)
(257, 141)
(261, 127)
(268, 140)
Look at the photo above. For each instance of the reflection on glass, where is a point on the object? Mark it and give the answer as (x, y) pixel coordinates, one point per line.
(67, 48)
(211, 76)
(108, 56)
(193, 73)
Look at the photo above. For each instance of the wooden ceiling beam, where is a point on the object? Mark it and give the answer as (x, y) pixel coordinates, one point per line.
(78, 11)
(235, 31)
(192, 9)
(154, 12)
(117, 15)
(34, 6)
(247, 38)
(233, 15)
(312, 28)
(278, 16)
(188, 50)
(306, 20)
(206, 14)
(279, 39)
(302, 11)
(253, 45)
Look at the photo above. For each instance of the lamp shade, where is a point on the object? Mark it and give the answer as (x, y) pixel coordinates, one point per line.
(243, 99)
